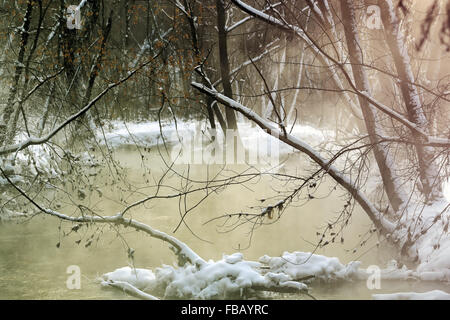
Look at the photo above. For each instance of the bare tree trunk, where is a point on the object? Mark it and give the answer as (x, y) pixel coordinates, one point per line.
(415, 112)
(211, 106)
(19, 109)
(278, 109)
(95, 70)
(9, 109)
(299, 77)
(126, 39)
(224, 62)
(68, 48)
(382, 157)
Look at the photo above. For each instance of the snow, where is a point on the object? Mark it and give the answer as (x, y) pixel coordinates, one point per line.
(139, 278)
(144, 134)
(216, 280)
(432, 248)
(231, 276)
(430, 295)
(392, 272)
(299, 265)
(81, 4)
(149, 133)
(194, 135)
(35, 158)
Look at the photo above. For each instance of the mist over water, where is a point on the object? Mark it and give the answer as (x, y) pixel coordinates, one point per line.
(128, 100)
(33, 267)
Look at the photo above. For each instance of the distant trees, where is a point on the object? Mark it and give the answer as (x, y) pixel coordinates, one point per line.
(276, 64)
(398, 129)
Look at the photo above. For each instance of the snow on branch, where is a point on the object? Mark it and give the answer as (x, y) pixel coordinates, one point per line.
(147, 46)
(41, 140)
(377, 218)
(184, 253)
(229, 277)
(234, 277)
(329, 60)
(81, 4)
(243, 21)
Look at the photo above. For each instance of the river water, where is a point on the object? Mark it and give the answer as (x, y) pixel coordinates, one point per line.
(32, 266)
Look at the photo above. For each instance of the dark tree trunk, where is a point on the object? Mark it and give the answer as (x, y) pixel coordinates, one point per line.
(224, 63)
(9, 109)
(369, 113)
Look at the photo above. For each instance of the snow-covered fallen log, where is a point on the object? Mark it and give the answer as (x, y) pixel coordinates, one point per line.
(230, 277)
(309, 267)
(234, 277)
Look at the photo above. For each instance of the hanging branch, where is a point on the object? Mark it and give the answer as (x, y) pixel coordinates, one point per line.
(377, 218)
(36, 141)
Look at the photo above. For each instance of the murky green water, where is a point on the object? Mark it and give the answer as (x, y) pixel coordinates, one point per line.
(32, 267)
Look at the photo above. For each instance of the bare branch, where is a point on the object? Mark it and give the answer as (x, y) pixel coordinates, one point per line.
(376, 217)
(36, 141)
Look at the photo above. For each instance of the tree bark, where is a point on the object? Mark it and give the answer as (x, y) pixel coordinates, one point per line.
(211, 106)
(380, 150)
(224, 63)
(383, 224)
(413, 105)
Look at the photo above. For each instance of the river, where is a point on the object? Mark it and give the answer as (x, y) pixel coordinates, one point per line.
(32, 266)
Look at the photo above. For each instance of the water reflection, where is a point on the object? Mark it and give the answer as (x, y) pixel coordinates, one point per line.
(33, 267)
